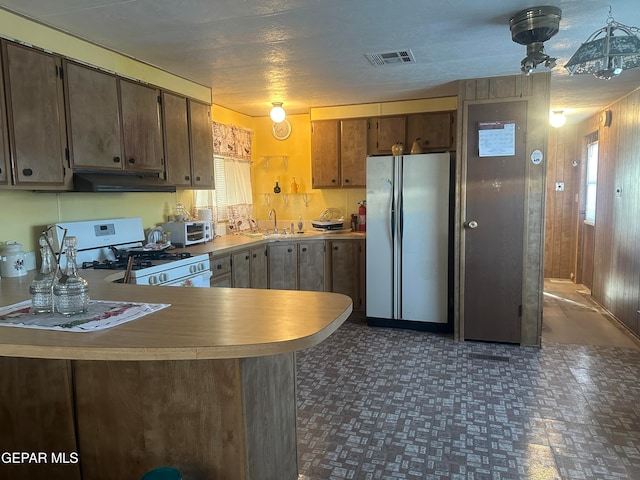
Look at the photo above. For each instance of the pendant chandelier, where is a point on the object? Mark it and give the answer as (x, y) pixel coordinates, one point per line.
(607, 52)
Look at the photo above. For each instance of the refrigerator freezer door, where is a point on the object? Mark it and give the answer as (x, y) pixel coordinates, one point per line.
(425, 232)
(379, 251)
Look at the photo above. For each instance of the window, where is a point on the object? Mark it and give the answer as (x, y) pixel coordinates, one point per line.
(592, 179)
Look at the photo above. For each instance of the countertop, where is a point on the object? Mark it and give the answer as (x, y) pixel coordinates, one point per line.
(201, 323)
(232, 243)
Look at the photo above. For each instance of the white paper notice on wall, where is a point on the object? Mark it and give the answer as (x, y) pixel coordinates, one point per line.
(497, 139)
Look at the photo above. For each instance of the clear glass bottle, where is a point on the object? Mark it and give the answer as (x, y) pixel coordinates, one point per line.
(71, 291)
(42, 285)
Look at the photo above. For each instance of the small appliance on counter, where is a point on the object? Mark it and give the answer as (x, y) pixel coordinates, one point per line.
(184, 234)
(331, 219)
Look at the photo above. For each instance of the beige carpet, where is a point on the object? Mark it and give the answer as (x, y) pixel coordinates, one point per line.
(570, 316)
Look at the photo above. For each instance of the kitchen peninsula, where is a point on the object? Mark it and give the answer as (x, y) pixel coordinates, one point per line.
(206, 385)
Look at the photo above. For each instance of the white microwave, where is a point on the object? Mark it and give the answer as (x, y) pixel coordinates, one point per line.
(184, 234)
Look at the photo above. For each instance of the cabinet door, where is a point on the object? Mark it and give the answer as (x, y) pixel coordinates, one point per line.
(93, 119)
(345, 269)
(283, 266)
(384, 132)
(35, 105)
(325, 153)
(201, 137)
(353, 152)
(311, 266)
(435, 130)
(176, 139)
(259, 267)
(4, 137)
(240, 269)
(141, 127)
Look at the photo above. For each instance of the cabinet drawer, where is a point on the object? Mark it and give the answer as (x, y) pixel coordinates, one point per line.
(220, 265)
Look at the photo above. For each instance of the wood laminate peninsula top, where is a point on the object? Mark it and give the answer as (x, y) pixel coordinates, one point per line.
(201, 323)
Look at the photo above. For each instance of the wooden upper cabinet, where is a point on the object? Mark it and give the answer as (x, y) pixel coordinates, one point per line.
(436, 131)
(325, 152)
(353, 152)
(201, 138)
(5, 177)
(141, 129)
(176, 138)
(35, 110)
(93, 119)
(385, 132)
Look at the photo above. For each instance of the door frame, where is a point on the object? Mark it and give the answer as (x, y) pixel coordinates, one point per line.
(534, 185)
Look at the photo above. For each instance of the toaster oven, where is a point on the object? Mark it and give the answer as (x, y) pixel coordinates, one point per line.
(184, 234)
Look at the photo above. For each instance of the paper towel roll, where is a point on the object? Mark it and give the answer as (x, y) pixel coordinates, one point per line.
(205, 214)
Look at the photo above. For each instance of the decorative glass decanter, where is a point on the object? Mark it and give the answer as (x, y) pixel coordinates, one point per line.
(71, 291)
(41, 288)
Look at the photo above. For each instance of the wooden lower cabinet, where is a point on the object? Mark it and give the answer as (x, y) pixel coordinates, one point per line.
(221, 271)
(346, 272)
(312, 266)
(283, 266)
(226, 418)
(258, 267)
(249, 268)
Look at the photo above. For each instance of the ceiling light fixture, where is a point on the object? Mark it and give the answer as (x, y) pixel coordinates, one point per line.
(557, 118)
(532, 27)
(607, 52)
(277, 113)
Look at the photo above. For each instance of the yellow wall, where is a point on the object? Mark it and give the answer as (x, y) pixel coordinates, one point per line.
(15, 27)
(269, 168)
(23, 214)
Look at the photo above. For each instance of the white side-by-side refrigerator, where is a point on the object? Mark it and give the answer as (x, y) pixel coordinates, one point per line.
(408, 240)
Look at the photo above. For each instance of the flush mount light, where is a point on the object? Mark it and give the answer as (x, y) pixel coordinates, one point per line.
(557, 118)
(532, 27)
(607, 52)
(277, 113)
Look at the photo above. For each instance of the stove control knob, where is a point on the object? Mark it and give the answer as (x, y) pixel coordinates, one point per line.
(164, 277)
(153, 280)
(192, 269)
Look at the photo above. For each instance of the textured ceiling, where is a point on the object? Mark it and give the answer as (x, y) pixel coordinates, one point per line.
(310, 53)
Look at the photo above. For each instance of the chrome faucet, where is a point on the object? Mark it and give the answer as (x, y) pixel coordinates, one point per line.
(275, 220)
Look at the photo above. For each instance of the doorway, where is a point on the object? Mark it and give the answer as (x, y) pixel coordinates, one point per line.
(494, 226)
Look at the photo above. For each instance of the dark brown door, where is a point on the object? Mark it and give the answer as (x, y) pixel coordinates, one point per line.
(494, 225)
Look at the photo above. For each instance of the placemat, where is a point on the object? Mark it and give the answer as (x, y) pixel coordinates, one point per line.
(100, 315)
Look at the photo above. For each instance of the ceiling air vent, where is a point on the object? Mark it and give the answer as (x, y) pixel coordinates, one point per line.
(391, 58)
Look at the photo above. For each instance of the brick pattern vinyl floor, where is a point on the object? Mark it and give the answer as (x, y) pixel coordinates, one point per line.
(377, 403)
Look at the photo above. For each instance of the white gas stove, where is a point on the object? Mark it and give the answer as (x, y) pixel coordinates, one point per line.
(108, 244)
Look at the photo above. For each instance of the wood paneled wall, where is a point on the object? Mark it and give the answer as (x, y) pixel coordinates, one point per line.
(561, 216)
(535, 89)
(616, 266)
(615, 270)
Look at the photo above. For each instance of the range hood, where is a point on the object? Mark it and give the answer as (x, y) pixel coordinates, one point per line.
(119, 182)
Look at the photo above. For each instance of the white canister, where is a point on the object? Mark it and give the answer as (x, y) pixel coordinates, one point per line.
(205, 215)
(12, 262)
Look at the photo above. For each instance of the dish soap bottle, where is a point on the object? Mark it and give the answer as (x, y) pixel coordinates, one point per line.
(71, 291)
(42, 285)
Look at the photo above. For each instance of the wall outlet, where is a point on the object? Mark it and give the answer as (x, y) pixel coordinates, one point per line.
(559, 186)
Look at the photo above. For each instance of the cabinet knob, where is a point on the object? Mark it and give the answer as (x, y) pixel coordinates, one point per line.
(246, 257)
(255, 255)
(333, 180)
(289, 250)
(187, 177)
(27, 172)
(116, 159)
(132, 160)
(0, 170)
(197, 179)
(335, 248)
(219, 267)
(346, 180)
(304, 249)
